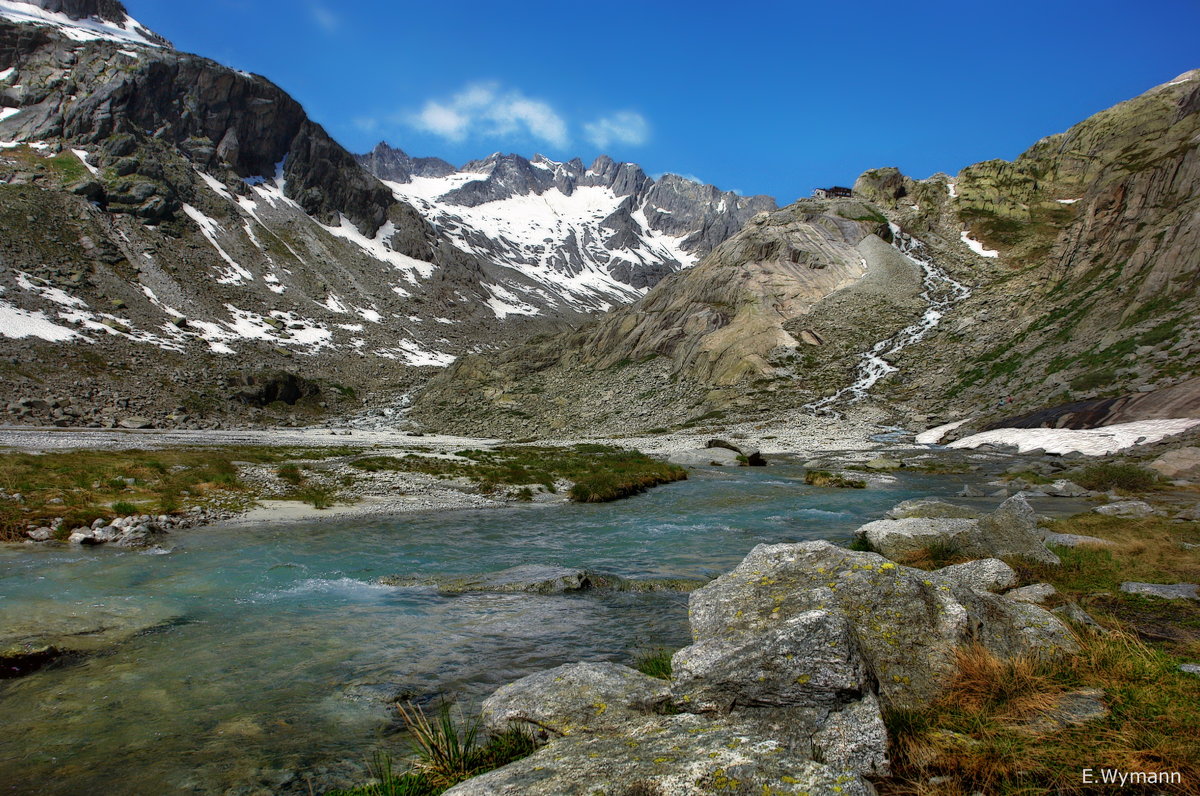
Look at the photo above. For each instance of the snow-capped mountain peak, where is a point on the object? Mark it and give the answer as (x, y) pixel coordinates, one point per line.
(562, 235)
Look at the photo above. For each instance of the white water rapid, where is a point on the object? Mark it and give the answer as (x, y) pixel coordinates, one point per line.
(941, 292)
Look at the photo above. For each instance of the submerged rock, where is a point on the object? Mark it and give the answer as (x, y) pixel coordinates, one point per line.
(47, 630)
(539, 579)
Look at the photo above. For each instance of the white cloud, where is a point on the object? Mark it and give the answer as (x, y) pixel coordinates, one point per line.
(624, 127)
(488, 109)
(325, 19)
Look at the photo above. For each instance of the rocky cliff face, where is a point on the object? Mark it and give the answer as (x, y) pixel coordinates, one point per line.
(574, 237)
(1091, 287)
(168, 218)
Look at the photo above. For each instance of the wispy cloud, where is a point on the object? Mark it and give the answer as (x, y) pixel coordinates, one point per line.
(488, 109)
(325, 19)
(624, 127)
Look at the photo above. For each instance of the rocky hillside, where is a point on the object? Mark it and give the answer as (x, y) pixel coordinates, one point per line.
(575, 237)
(754, 327)
(166, 217)
(1089, 289)
(1066, 275)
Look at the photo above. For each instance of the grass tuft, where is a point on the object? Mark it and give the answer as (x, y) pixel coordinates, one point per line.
(826, 478)
(1104, 476)
(655, 662)
(600, 473)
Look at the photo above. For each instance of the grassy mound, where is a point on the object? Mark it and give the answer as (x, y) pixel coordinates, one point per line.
(600, 472)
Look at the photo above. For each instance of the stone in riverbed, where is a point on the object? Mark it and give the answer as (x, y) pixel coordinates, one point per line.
(529, 578)
(46, 630)
(1011, 530)
(930, 507)
(539, 579)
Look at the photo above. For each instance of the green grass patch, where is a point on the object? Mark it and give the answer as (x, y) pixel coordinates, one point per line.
(319, 497)
(290, 472)
(82, 486)
(1104, 476)
(446, 751)
(599, 473)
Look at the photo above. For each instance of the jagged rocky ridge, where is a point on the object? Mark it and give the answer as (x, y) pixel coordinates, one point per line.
(592, 237)
(1078, 263)
(166, 217)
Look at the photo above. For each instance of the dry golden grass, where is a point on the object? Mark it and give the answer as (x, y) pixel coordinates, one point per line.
(979, 739)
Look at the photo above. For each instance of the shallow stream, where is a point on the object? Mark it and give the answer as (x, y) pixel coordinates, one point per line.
(285, 651)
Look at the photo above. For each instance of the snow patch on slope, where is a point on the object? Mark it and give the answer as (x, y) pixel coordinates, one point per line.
(976, 246)
(90, 29)
(1088, 441)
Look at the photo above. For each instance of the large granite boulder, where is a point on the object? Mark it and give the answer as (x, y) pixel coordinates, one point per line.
(907, 623)
(1183, 463)
(684, 755)
(795, 652)
(804, 680)
(577, 697)
(1010, 531)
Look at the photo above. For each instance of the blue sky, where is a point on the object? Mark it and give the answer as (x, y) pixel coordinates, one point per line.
(761, 97)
